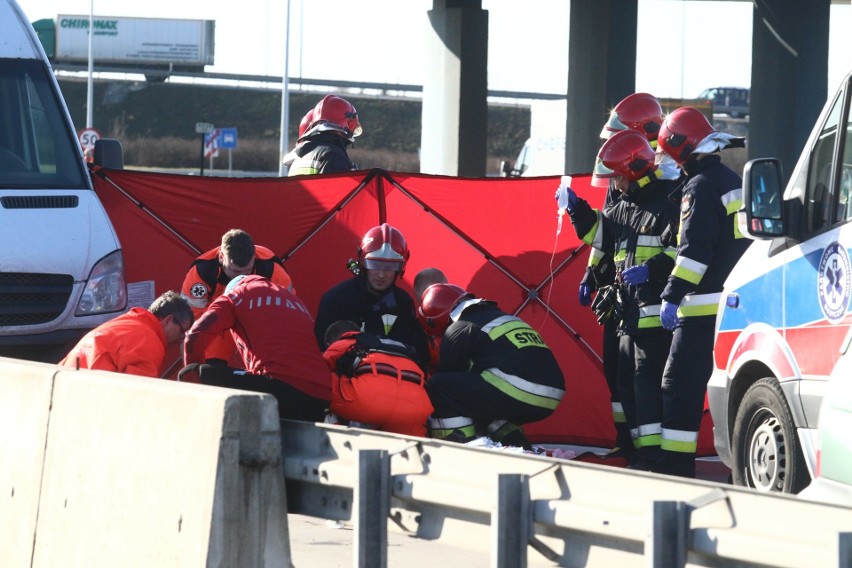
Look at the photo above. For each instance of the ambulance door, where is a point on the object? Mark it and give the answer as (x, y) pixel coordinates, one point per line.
(818, 272)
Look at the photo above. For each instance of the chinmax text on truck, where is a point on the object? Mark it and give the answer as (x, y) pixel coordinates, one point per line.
(61, 267)
(783, 321)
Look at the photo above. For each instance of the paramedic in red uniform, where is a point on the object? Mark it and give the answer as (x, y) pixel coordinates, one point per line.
(494, 374)
(372, 299)
(211, 272)
(639, 233)
(135, 342)
(709, 244)
(376, 381)
(272, 329)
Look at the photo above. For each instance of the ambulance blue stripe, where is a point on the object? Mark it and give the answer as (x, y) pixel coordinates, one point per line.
(760, 300)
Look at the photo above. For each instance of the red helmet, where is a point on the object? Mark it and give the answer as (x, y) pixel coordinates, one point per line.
(626, 154)
(640, 112)
(682, 131)
(435, 307)
(306, 122)
(383, 248)
(335, 113)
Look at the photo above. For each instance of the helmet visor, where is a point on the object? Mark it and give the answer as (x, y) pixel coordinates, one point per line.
(612, 126)
(601, 174)
(382, 264)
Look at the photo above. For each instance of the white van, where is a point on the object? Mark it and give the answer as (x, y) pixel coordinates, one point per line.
(61, 267)
(784, 316)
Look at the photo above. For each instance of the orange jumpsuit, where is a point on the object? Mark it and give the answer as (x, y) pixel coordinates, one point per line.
(374, 382)
(132, 343)
(206, 281)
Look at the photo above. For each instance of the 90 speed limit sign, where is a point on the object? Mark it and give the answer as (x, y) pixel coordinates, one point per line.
(88, 137)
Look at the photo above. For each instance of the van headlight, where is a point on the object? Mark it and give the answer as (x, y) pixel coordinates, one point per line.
(106, 287)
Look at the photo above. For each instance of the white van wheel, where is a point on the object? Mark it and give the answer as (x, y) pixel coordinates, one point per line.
(766, 451)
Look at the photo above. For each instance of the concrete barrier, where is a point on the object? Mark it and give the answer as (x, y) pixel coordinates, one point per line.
(139, 472)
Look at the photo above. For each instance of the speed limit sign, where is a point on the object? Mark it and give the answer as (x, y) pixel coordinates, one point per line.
(88, 137)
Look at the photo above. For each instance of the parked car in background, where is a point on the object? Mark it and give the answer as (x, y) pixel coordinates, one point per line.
(732, 101)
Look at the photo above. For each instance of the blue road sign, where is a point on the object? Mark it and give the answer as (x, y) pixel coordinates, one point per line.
(227, 137)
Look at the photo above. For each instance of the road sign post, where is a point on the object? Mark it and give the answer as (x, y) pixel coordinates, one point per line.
(203, 128)
(88, 137)
(228, 139)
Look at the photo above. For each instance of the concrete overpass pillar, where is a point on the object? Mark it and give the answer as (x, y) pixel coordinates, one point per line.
(455, 90)
(601, 72)
(789, 75)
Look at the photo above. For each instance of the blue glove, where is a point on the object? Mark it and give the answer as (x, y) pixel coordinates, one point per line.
(636, 275)
(668, 315)
(585, 294)
(566, 198)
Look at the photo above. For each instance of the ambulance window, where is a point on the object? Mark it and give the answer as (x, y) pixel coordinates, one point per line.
(844, 211)
(820, 193)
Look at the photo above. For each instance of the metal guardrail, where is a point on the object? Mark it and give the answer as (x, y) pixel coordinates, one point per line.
(573, 514)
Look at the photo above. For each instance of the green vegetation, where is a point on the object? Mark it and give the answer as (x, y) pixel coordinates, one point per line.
(155, 123)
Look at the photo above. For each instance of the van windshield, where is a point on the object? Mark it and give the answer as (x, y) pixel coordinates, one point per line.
(38, 149)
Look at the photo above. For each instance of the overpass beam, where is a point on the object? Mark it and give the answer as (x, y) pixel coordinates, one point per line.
(789, 76)
(601, 72)
(455, 90)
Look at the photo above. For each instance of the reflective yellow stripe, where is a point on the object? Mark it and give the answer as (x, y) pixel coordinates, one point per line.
(618, 413)
(646, 441)
(699, 305)
(595, 236)
(649, 317)
(515, 330)
(644, 253)
(690, 270)
(671, 252)
(595, 256)
(451, 423)
(733, 201)
(523, 390)
(682, 441)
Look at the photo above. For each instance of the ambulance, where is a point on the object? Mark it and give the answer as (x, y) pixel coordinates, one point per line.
(784, 317)
(61, 265)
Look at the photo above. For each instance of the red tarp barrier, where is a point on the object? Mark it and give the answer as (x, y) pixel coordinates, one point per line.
(494, 236)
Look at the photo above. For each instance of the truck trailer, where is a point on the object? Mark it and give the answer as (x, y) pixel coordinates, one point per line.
(131, 44)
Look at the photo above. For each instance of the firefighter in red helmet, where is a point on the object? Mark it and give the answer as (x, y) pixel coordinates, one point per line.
(332, 127)
(709, 244)
(640, 112)
(372, 298)
(639, 233)
(494, 373)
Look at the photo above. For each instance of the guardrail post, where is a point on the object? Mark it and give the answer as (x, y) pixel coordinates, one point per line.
(668, 543)
(844, 549)
(511, 521)
(372, 506)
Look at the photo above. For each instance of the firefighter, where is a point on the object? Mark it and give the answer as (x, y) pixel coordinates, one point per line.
(638, 232)
(211, 272)
(494, 373)
(271, 327)
(376, 381)
(709, 244)
(373, 299)
(324, 146)
(306, 121)
(640, 112)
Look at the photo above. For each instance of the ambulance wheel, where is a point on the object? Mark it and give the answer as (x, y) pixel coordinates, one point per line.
(766, 452)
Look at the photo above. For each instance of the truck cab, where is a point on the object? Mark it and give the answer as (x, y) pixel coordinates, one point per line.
(61, 266)
(784, 314)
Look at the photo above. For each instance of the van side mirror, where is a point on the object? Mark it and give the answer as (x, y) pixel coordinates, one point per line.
(109, 154)
(505, 169)
(763, 199)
